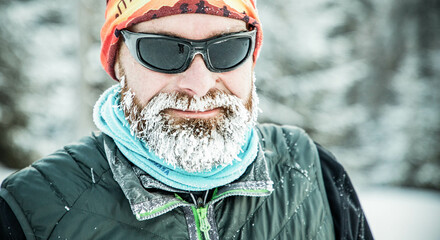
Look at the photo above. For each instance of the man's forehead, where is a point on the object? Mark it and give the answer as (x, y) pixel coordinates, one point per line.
(191, 26)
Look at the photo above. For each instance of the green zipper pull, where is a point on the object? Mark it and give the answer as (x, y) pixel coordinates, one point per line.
(204, 223)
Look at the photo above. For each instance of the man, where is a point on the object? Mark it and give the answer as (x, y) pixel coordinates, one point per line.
(180, 155)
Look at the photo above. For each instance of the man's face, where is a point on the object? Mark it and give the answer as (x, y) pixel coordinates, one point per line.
(197, 80)
(196, 120)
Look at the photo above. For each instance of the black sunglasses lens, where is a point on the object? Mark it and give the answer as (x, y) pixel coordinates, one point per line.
(164, 54)
(228, 54)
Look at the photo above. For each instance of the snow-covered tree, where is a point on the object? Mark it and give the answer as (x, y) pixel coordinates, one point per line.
(361, 77)
(13, 84)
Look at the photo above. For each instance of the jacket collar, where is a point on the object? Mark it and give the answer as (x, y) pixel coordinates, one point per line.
(146, 204)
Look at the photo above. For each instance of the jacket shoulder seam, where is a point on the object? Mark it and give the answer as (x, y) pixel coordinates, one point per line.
(78, 162)
(98, 146)
(57, 192)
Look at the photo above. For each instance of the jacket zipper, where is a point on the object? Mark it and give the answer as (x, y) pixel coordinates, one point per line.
(200, 208)
(202, 222)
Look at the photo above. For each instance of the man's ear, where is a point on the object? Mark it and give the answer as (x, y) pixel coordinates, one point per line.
(117, 69)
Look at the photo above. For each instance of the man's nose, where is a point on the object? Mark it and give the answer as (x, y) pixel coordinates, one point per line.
(197, 80)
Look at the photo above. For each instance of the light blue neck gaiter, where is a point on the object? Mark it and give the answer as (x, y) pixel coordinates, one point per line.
(110, 119)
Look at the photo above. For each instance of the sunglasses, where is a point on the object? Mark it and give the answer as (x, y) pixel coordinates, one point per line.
(168, 54)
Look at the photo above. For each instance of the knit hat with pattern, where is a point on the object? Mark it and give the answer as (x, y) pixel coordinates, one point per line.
(121, 14)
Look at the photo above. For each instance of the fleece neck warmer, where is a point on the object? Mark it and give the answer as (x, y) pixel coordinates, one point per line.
(110, 119)
(122, 14)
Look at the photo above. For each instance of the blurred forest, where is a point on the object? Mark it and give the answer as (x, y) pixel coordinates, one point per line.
(361, 76)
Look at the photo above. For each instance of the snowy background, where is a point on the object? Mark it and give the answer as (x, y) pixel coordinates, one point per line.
(361, 76)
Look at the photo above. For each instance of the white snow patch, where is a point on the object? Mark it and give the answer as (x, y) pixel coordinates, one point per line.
(399, 213)
(5, 172)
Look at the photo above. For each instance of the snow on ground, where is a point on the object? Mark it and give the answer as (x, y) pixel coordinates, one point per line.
(404, 214)
(4, 172)
(393, 213)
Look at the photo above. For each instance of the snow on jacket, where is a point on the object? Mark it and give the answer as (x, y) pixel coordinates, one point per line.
(90, 191)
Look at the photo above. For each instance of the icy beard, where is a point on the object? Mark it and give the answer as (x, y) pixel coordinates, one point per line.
(194, 145)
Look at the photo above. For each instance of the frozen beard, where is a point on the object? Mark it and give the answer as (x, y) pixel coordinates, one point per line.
(192, 144)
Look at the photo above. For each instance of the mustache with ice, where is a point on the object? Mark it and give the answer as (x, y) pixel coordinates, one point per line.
(195, 145)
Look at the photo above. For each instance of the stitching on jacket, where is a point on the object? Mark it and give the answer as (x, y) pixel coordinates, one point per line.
(261, 135)
(252, 215)
(87, 188)
(58, 194)
(177, 213)
(53, 228)
(288, 142)
(307, 178)
(302, 201)
(323, 221)
(79, 163)
(294, 213)
(262, 202)
(361, 226)
(96, 142)
(277, 186)
(279, 183)
(326, 215)
(52, 186)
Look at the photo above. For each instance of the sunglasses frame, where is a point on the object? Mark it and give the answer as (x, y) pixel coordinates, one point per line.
(131, 39)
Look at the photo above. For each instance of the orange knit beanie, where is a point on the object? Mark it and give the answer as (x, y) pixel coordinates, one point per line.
(121, 14)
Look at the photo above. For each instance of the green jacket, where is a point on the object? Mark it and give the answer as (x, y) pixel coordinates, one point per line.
(89, 190)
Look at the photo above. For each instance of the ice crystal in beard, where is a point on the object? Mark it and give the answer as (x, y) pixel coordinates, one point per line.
(195, 145)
